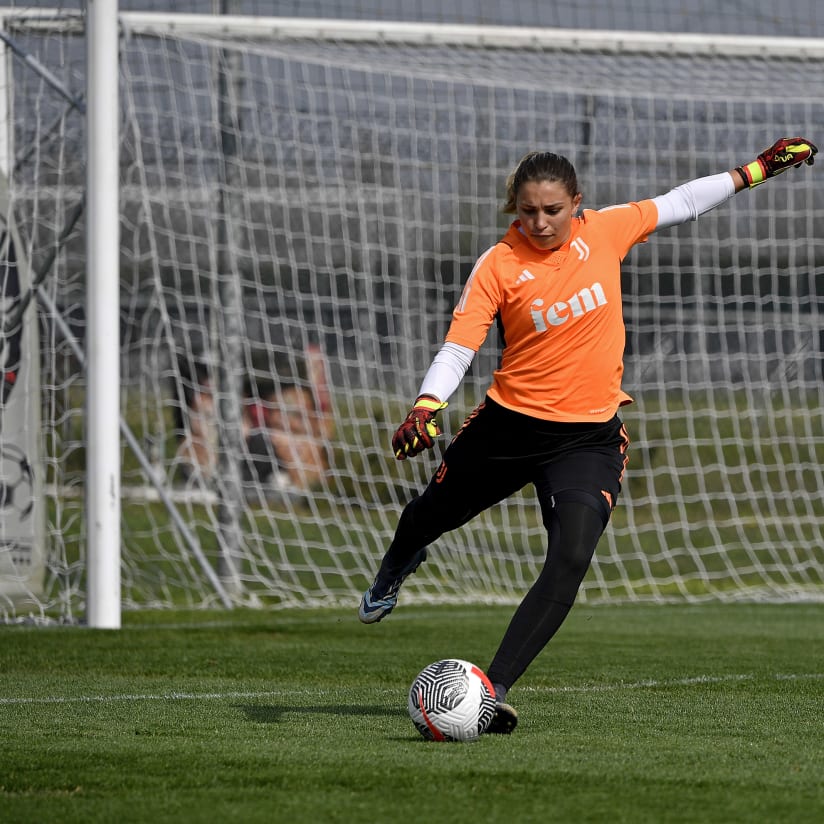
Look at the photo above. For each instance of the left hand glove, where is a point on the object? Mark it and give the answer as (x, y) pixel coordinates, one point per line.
(419, 429)
(782, 155)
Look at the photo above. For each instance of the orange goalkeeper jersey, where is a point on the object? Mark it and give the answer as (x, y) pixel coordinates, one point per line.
(561, 315)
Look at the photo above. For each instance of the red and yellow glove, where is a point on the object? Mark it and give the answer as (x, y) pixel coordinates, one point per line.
(419, 429)
(782, 155)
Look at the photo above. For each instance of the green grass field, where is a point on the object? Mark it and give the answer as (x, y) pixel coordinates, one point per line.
(637, 714)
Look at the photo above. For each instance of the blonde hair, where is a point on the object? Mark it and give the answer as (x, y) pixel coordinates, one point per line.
(537, 167)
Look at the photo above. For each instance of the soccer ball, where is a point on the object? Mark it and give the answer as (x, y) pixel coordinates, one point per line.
(451, 700)
(16, 482)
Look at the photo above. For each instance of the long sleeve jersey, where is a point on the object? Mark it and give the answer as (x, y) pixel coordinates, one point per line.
(560, 311)
(561, 315)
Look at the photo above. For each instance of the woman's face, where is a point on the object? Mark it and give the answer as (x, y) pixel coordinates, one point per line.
(545, 210)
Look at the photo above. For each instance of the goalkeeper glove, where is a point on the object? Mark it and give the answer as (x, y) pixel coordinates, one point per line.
(782, 155)
(419, 429)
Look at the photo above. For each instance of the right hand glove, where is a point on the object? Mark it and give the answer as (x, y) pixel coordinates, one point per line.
(419, 429)
(782, 155)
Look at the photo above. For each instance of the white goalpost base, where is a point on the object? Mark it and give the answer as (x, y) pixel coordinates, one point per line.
(300, 205)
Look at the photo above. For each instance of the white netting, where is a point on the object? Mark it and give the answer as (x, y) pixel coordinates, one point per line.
(296, 209)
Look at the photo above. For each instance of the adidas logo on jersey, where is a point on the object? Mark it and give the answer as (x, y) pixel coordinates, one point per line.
(525, 276)
(587, 300)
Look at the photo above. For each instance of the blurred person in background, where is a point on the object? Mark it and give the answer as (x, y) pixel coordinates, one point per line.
(288, 423)
(195, 422)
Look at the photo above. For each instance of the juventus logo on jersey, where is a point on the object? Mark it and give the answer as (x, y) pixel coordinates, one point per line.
(581, 248)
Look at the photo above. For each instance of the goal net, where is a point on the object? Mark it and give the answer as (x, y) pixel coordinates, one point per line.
(301, 203)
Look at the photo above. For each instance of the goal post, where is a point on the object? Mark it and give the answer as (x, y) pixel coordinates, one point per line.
(301, 202)
(103, 310)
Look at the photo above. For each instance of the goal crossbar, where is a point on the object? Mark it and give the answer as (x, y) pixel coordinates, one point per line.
(387, 32)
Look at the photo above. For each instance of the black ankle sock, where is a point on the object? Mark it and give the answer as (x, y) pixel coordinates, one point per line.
(500, 692)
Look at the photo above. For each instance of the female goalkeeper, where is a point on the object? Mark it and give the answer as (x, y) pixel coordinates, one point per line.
(550, 416)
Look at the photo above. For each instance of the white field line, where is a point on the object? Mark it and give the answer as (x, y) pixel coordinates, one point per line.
(697, 680)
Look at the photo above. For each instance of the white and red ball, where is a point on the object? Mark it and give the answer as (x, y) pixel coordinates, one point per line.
(451, 700)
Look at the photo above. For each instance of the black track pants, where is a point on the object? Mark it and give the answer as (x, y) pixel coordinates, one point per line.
(576, 469)
(574, 531)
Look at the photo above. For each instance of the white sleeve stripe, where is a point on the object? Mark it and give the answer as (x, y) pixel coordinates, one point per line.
(468, 285)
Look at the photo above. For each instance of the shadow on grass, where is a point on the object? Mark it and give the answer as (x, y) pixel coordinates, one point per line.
(271, 714)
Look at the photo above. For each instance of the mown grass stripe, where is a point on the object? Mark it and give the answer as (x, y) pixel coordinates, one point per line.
(651, 683)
